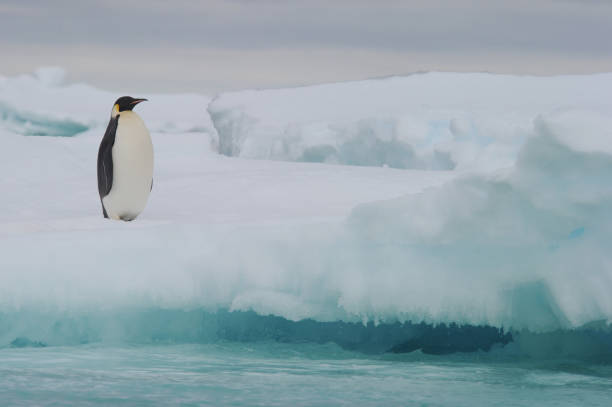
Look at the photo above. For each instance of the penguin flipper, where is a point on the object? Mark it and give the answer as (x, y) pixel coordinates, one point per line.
(105, 158)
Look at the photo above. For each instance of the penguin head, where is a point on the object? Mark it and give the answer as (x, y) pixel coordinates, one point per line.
(125, 103)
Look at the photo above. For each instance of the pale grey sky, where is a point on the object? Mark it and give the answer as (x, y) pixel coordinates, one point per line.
(214, 45)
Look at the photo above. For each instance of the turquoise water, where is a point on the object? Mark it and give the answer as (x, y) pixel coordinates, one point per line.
(277, 374)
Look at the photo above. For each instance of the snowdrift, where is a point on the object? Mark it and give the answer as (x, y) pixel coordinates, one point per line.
(43, 104)
(524, 248)
(376, 259)
(424, 121)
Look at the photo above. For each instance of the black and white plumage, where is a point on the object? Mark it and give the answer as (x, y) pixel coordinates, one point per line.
(125, 163)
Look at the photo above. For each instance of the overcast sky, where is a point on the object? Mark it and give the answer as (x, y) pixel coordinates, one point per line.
(214, 45)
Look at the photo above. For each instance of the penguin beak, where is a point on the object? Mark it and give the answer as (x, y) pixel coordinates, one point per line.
(137, 101)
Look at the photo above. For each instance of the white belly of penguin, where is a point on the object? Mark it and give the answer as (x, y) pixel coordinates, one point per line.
(132, 168)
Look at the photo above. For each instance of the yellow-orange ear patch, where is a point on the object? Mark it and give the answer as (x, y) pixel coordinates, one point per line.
(116, 108)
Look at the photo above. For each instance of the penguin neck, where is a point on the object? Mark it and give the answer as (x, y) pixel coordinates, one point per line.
(129, 114)
(124, 113)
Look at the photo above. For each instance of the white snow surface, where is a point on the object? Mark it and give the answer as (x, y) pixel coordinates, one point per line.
(43, 104)
(424, 121)
(524, 247)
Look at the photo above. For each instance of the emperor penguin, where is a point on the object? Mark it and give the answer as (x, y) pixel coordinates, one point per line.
(125, 163)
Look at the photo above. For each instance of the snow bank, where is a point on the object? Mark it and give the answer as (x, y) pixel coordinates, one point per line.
(526, 248)
(425, 121)
(523, 247)
(42, 104)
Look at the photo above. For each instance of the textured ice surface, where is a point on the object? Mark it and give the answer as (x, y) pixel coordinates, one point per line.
(523, 247)
(42, 104)
(517, 248)
(427, 121)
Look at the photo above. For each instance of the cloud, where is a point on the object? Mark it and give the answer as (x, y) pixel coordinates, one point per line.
(399, 25)
(524, 36)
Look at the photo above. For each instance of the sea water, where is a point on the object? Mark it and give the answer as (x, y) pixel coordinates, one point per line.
(280, 374)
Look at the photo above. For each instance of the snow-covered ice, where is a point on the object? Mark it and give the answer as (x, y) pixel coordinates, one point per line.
(42, 104)
(514, 233)
(427, 121)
